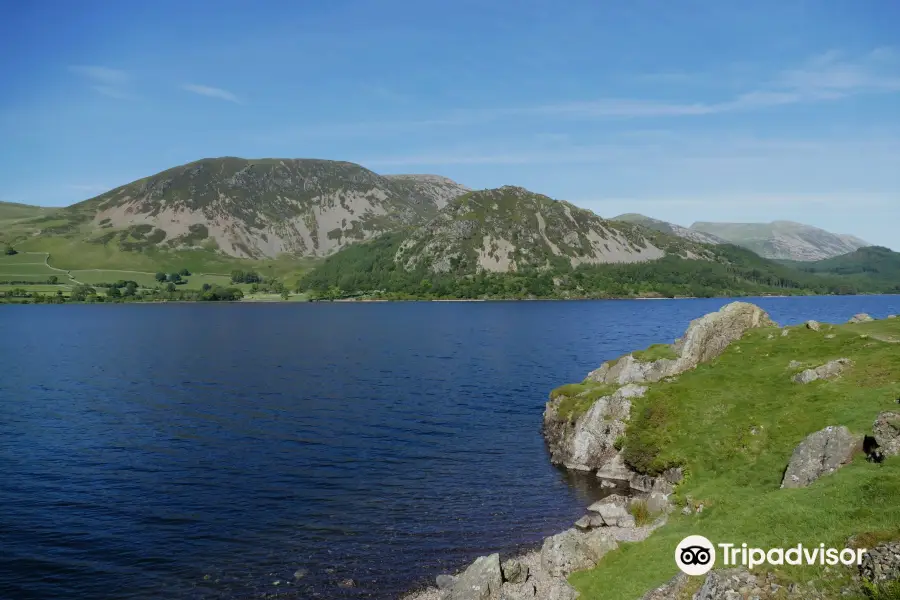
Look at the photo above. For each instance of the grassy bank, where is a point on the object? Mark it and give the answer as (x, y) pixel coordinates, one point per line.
(733, 424)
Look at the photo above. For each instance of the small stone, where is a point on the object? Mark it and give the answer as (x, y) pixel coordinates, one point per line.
(892, 316)
(860, 318)
(785, 332)
(301, 573)
(795, 364)
(830, 336)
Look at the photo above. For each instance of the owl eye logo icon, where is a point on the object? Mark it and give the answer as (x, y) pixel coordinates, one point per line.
(695, 555)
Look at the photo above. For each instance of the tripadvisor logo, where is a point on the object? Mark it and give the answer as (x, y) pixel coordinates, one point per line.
(696, 555)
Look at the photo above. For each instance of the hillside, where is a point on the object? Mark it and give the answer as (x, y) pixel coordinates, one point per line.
(874, 262)
(670, 228)
(249, 208)
(783, 240)
(15, 218)
(512, 243)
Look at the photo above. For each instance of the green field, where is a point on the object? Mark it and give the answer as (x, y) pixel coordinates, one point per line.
(27, 269)
(733, 424)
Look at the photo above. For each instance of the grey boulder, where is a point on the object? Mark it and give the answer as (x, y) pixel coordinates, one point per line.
(860, 318)
(444, 582)
(830, 370)
(886, 432)
(821, 453)
(814, 325)
(481, 581)
(572, 551)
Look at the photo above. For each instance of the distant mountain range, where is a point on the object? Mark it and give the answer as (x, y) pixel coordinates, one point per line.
(424, 230)
(778, 240)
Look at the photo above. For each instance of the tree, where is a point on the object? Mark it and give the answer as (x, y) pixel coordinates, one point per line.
(53, 280)
(285, 295)
(9, 250)
(184, 273)
(170, 287)
(113, 292)
(205, 287)
(81, 292)
(131, 288)
(174, 277)
(160, 277)
(237, 276)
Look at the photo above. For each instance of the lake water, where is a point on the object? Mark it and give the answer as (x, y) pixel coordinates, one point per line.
(207, 451)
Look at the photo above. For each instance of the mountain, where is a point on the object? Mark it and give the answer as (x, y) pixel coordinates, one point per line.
(670, 228)
(509, 229)
(875, 262)
(784, 240)
(256, 208)
(509, 242)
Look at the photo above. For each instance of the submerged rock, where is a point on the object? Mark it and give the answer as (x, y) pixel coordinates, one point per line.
(829, 370)
(821, 453)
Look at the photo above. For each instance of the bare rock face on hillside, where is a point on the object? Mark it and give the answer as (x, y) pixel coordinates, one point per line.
(822, 453)
(705, 339)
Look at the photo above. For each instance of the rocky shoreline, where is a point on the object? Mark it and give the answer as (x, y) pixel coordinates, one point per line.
(584, 427)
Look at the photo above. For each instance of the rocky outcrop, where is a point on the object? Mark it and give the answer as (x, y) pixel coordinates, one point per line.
(830, 370)
(589, 442)
(822, 453)
(881, 563)
(573, 550)
(886, 432)
(705, 339)
(860, 318)
(515, 571)
(481, 581)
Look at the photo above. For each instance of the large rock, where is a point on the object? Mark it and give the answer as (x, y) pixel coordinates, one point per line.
(886, 432)
(814, 325)
(821, 453)
(589, 442)
(705, 339)
(593, 441)
(572, 550)
(481, 581)
(881, 563)
(829, 370)
(613, 512)
(860, 318)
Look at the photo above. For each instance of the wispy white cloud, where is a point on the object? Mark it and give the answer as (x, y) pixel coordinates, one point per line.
(106, 81)
(211, 92)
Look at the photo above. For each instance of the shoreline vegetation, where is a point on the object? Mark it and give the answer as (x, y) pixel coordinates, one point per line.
(742, 431)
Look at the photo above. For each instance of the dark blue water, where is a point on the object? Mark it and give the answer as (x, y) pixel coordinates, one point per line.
(207, 451)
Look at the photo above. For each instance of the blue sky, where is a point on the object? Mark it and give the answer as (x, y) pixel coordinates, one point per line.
(689, 110)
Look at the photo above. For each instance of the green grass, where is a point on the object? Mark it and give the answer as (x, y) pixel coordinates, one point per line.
(28, 287)
(579, 397)
(656, 352)
(733, 424)
(22, 258)
(27, 269)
